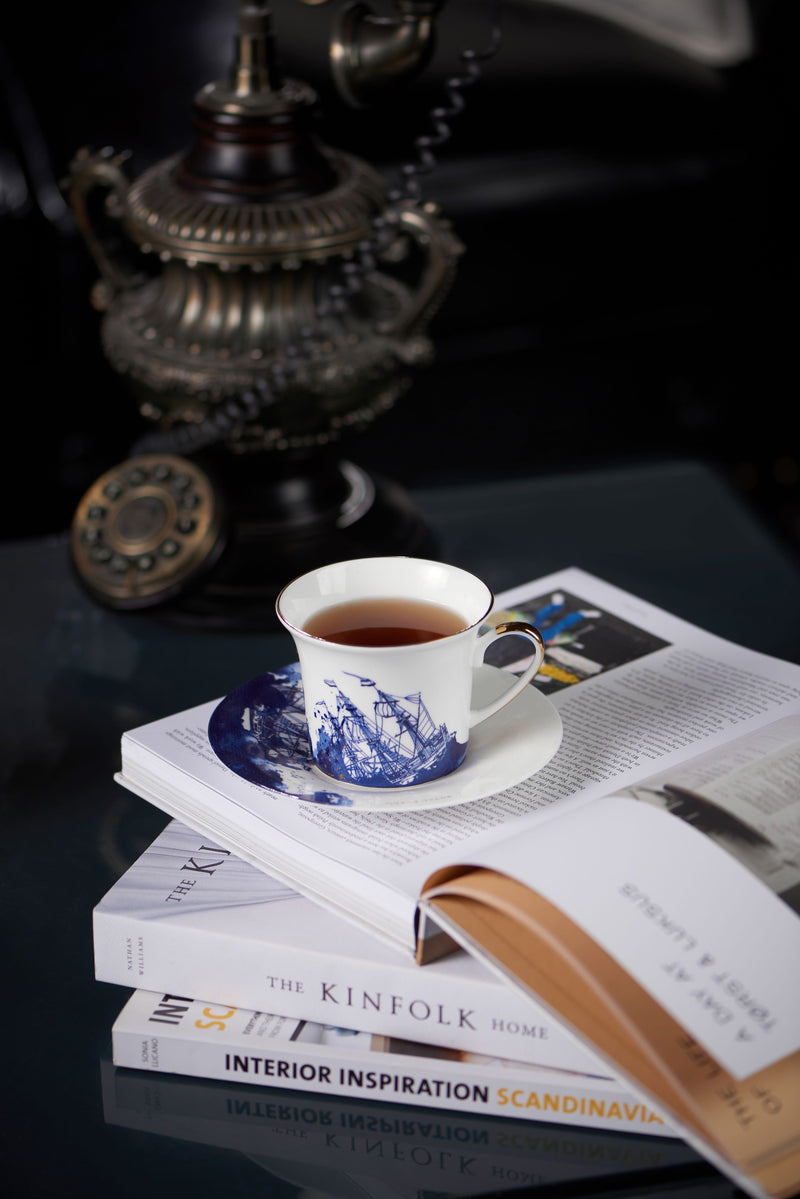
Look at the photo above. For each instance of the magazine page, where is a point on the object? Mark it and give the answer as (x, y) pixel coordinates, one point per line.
(636, 688)
(746, 797)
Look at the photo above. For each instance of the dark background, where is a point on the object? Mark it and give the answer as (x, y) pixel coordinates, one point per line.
(628, 213)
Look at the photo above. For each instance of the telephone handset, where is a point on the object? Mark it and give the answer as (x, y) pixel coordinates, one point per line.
(146, 530)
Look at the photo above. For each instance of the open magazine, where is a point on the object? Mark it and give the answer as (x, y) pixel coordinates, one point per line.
(654, 861)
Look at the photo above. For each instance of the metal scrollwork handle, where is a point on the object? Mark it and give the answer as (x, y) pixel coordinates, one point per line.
(441, 249)
(105, 169)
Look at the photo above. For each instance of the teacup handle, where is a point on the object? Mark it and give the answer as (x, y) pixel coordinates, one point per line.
(508, 628)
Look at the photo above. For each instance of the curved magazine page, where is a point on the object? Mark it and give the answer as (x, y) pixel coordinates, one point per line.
(753, 1124)
(560, 968)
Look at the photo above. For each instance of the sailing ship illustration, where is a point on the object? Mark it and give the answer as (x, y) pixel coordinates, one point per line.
(261, 732)
(395, 742)
(281, 732)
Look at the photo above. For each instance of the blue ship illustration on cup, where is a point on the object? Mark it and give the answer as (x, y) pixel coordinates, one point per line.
(393, 741)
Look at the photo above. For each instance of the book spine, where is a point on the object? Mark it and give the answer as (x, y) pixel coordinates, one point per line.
(478, 1015)
(487, 1087)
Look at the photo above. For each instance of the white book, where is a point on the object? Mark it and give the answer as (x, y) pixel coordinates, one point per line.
(175, 1035)
(643, 885)
(194, 919)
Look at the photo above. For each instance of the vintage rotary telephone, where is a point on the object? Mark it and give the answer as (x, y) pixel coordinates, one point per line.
(267, 292)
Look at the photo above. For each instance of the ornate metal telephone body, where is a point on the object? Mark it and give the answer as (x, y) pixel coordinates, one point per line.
(264, 313)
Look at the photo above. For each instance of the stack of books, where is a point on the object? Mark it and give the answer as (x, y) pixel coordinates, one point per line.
(612, 944)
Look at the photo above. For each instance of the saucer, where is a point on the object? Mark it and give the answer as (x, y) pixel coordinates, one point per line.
(259, 732)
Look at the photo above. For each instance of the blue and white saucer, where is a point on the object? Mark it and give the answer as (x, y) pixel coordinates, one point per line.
(259, 731)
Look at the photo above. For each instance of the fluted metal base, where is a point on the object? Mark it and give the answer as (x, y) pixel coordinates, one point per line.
(283, 524)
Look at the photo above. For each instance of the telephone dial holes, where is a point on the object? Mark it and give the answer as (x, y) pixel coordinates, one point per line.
(145, 529)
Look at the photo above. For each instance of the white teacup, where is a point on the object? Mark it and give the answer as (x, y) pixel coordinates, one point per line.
(396, 714)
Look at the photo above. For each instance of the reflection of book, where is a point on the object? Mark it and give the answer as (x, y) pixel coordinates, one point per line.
(187, 919)
(329, 1141)
(174, 1035)
(591, 901)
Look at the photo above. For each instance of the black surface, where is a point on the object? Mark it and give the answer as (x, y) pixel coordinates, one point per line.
(76, 676)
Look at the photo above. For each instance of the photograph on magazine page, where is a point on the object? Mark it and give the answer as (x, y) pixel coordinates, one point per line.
(746, 797)
(580, 639)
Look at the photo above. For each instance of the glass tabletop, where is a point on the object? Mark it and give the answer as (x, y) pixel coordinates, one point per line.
(77, 675)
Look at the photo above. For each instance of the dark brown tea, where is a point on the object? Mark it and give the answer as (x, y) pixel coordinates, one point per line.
(381, 622)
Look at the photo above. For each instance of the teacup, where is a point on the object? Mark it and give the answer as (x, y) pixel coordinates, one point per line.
(387, 649)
